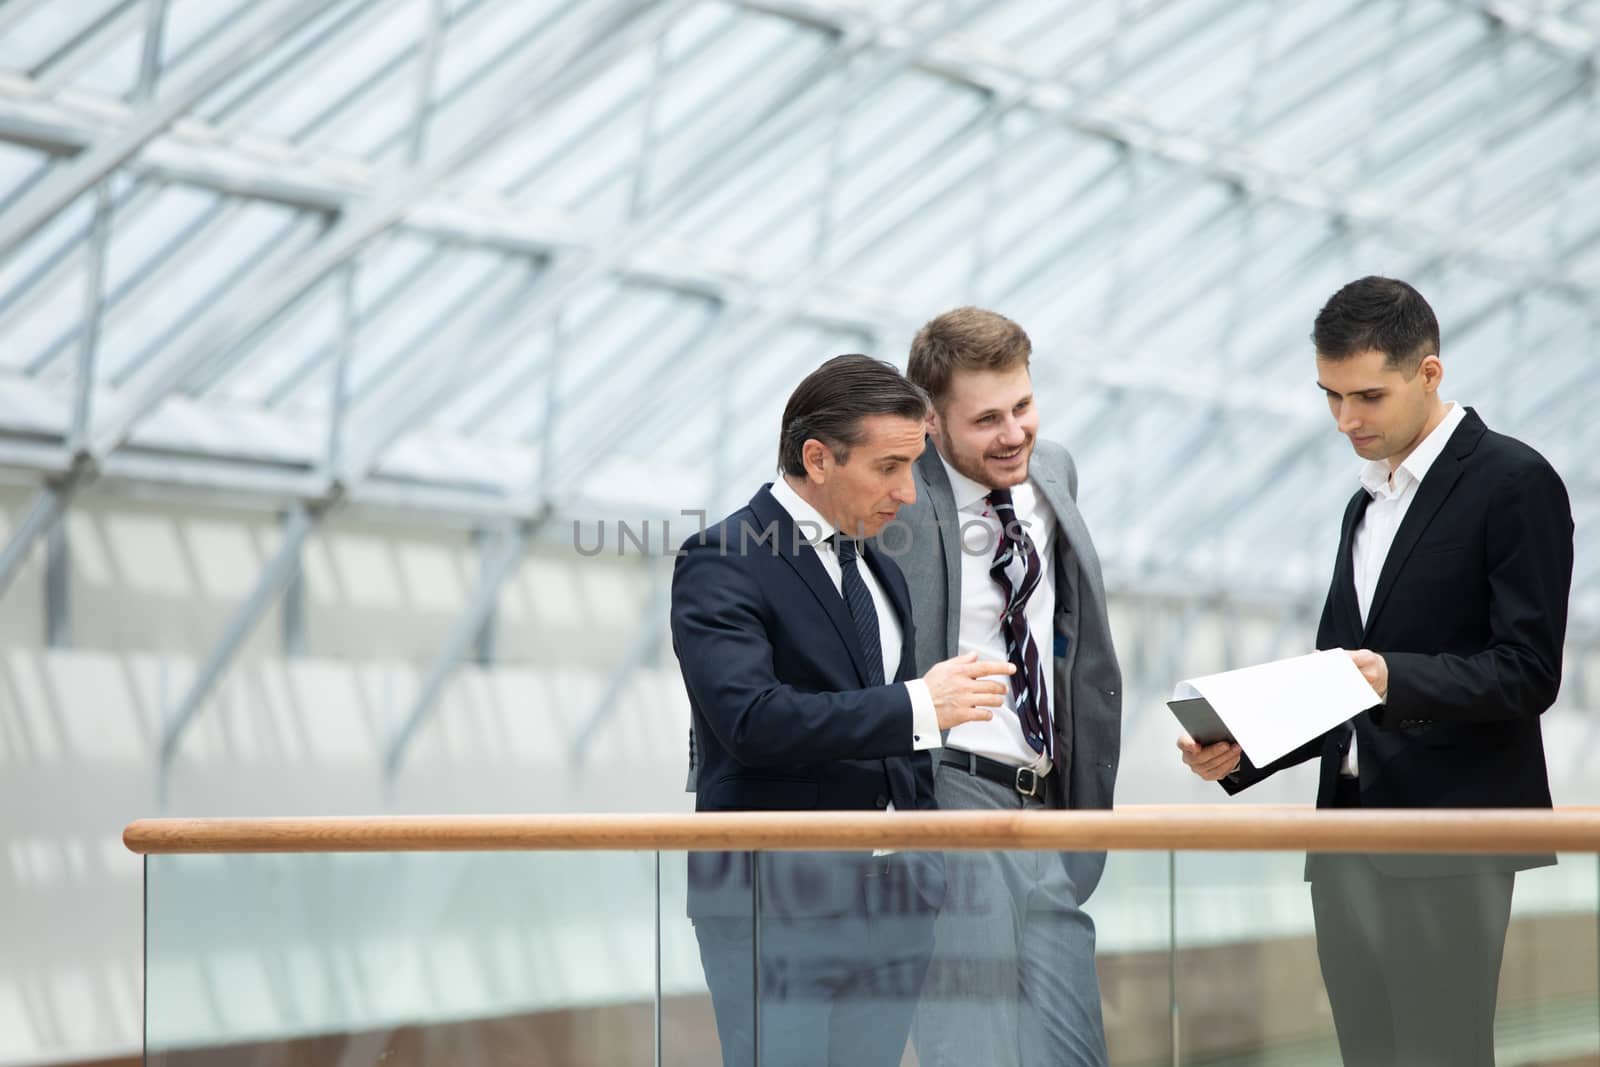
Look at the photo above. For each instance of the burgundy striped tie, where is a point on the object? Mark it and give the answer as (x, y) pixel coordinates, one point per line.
(1027, 685)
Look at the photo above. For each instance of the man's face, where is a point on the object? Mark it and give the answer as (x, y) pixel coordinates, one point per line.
(865, 492)
(1376, 406)
(986, 426)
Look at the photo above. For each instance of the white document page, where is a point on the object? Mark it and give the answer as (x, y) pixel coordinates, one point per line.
(1274, 707)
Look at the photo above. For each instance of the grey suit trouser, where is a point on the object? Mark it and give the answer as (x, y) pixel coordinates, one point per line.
(1013, 982)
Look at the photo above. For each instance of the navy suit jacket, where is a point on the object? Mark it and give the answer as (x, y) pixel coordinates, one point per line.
(783, 717)
(1470, 613)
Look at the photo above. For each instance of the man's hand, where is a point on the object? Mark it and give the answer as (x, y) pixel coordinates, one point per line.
(1210, 761)
(962, 692)
(1373, 669)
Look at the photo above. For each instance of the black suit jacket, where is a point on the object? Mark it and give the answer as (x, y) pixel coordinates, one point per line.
(1470, 613)
(784, 719)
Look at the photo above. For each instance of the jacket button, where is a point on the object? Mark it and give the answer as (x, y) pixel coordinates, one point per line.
(882, 801)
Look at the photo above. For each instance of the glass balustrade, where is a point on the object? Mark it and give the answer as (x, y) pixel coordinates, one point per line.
(693, 959)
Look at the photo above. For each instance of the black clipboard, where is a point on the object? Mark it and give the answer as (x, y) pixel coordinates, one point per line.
(1201, 720)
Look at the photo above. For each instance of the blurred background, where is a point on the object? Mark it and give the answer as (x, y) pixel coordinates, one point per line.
(358, 359)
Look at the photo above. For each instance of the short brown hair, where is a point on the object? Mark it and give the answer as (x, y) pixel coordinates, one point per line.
(967, 338)
(1378, 314)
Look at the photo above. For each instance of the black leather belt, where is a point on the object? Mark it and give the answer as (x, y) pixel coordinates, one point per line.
(1022, 779)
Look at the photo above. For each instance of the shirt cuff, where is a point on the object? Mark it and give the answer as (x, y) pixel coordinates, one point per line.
(924, 719)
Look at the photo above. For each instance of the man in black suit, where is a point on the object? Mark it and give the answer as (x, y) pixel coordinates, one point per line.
(1450, 588)
(794, 636)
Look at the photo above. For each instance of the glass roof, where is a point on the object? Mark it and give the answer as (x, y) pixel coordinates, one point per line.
(504, 256)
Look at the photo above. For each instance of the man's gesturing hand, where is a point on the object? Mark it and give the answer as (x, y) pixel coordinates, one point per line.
(961, 690)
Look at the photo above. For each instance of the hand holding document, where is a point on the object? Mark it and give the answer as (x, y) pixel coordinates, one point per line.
(1272, 708)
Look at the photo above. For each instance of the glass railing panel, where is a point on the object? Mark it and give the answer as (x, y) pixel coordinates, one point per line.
(1411, 960)
(1549, 991)
(401, 959)
(957, 958)
(845, 943)
(909, 958)
(1131, 908)
(1247, 982)
(702, 894)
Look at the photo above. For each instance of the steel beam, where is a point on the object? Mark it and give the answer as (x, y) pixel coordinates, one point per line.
(427, 68)
(737, 149)
(602, 371)
(497, 568)
(285, 278)
(294, 616)
(339, 372)
(93, 314)
(449, 362)
(139, 282)
(155, 28)
(247, 40)
(91, 41)
(58, 588)
(1559, 36)
(1063, 101)
(277, 575)
(1224, 163)
(483, 645)
(44, 510)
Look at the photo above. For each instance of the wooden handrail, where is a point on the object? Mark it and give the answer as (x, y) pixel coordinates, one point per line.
(1138, 828)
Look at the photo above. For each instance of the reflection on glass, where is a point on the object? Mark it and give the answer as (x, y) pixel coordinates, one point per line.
(854, 958)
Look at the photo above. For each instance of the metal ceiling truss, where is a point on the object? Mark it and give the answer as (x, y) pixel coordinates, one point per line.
(284, 567)
(1559, 36)
(733, 155)
(247, 39)
(365, 206)
(283, 279)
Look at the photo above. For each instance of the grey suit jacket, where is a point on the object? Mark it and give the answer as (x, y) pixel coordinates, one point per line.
(1088, 682)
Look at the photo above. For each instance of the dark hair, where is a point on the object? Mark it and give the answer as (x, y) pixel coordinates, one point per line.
(1377, 314)
(967, 338)
(833, 399)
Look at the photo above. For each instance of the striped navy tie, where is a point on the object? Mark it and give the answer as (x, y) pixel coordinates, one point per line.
(862, 611)
(1027, 685)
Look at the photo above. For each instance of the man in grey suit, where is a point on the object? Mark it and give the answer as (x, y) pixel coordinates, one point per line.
(999, 562)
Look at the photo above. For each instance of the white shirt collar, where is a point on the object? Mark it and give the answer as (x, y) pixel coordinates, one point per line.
(1375, 473)
(802, 512)
(973, 496)
(968, 493)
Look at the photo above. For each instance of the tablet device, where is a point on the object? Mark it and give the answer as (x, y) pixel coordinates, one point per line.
(1200, 720)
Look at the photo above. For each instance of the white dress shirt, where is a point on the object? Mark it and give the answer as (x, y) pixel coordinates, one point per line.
(1392, 493)
(982, 603)
(924, 719)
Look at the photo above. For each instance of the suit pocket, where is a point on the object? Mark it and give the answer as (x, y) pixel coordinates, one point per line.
(752, 793)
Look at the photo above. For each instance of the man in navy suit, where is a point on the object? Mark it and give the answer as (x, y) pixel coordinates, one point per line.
(794, 636)
(1450, 589)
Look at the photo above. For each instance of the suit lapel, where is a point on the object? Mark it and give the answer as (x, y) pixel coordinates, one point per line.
(1431, 494)
(1073, 530)
(803, 558)
(1347, 607)
(947, 526)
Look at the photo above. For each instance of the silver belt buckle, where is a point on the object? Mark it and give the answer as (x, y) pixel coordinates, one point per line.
(1027, 782)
